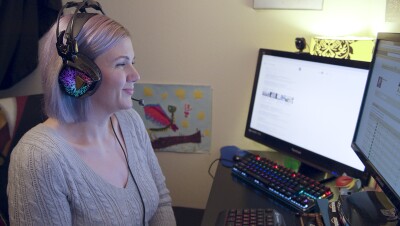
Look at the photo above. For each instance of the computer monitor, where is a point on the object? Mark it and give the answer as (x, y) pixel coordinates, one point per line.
(377, 136)
(307, 106)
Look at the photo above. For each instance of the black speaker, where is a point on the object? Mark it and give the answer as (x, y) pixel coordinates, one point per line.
(79, 76)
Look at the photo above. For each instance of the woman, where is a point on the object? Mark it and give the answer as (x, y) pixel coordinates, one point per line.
(91, 162)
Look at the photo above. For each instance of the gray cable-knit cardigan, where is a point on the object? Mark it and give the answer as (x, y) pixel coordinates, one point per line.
(49, 184)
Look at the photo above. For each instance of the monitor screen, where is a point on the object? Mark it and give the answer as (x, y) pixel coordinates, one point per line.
(377, 136)
(307, 107)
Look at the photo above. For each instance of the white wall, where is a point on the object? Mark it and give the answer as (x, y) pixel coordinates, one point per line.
(216, 43)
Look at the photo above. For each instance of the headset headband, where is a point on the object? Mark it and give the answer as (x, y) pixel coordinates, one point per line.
(79, 18)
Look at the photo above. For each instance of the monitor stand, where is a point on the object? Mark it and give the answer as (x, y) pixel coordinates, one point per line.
(315, 173)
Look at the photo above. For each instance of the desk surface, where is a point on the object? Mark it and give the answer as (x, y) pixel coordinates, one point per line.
(229, 192)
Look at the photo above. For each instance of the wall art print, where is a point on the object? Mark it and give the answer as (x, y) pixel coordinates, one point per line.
(177, 117)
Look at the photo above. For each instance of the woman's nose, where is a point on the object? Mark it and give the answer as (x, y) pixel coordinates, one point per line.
(134, 75)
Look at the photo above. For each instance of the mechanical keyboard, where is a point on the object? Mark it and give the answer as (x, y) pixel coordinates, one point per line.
(292, 189)
(248, 216)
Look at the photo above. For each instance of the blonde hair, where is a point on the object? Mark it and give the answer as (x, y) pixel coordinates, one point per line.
(99, 34)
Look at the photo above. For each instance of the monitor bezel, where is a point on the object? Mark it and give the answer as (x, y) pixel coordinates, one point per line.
(380, 180)
(335, 168)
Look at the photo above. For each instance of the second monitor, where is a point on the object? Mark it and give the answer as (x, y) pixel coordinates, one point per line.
(307, 106)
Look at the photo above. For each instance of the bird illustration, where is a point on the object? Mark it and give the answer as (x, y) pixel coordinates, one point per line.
(156, 114)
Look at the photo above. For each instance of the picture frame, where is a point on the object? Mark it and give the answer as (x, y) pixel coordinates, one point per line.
(288, 4)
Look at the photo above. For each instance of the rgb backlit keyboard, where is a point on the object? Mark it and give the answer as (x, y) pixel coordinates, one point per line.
(292, 189)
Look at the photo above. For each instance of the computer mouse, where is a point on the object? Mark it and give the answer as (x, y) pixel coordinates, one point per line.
(343, 181)
(230, 155)
(236, 158)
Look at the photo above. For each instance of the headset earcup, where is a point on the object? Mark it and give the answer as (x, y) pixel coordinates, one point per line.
(80, 77)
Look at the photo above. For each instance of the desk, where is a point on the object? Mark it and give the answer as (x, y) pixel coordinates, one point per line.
(229, 192)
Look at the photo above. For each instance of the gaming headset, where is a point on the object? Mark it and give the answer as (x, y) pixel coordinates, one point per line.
(79, 76)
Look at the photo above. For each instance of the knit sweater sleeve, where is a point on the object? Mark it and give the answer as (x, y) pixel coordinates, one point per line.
(36, 189)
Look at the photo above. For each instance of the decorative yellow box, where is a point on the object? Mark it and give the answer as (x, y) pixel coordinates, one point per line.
(353, 48)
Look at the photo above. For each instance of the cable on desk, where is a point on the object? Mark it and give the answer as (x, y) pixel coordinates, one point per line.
(209, 168)
(212, 163)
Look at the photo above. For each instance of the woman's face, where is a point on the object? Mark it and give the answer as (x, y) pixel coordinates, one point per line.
(118, 77)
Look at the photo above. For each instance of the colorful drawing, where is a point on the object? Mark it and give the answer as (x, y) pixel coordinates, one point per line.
(155, 113)
(177, 117)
